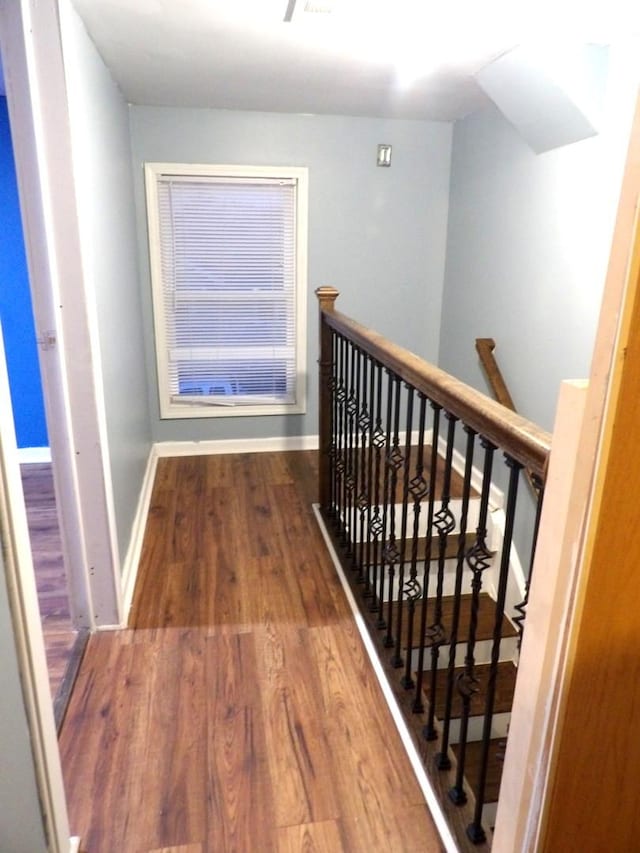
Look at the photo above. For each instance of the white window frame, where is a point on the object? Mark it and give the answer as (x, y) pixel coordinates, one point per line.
(169, 407)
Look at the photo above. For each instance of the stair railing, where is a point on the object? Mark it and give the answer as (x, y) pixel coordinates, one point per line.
(485, 348)
(410, 460)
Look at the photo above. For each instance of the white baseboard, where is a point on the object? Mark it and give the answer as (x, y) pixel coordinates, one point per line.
(416, 762)
(33, 455)
(236, 445)
(132, 558)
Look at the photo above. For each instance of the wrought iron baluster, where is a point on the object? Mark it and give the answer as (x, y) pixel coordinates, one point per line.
(351, 409)
(521, 608)
(387, 507)
(443, 761)
(444, 522)
(478, 559)
(475, 831)
(376, 527)
(363, 500)
(333, 385)
(345, 442)
(369, 586)
(396, 660)
(412, 589)
(418, 704)
(391, 552)
(355, 461)
(340, 460)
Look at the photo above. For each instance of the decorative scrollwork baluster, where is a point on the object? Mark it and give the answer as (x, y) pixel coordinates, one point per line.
(333, 385)
(521, 608)
(396, 660)
(418, 704)
(478, 559)
(475, 830)
(376, 526)
(418, 489)
(363, 498)
(444, 523)
(443, 761)
(351, 407)
(395, 460)
(340, 397)
(387, 506)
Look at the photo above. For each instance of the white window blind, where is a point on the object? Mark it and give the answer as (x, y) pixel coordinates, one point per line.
(228, 301)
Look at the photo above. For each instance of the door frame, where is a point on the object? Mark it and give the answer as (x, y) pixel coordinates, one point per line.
(27, 632)
(30, 45)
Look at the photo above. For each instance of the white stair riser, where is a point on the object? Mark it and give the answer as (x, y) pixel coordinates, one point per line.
(455, 506)
(489, 812)
(481, 653)
(449, 580)
(499, 728)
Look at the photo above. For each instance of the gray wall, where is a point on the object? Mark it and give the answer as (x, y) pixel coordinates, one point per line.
(21, 829)
(377, 234)
(102, 165)
(528, 244)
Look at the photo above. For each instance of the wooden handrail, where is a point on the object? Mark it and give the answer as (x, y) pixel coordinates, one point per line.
(515, 435)
(485, 348)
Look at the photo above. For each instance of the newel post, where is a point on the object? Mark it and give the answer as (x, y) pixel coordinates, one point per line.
(326, 301)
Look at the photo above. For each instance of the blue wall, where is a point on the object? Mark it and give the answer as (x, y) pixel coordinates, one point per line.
(15, 305)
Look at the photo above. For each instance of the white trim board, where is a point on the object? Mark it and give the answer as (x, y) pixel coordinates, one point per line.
(236, 445)
(33, 455)
(271, 444)
(132, 559)
(412, 753)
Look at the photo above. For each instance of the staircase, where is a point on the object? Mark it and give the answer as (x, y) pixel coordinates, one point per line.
(505, 685)
(419, 491)
(436, 680)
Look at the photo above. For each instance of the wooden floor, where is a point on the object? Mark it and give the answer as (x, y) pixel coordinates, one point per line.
(239, 712)
(48, 564)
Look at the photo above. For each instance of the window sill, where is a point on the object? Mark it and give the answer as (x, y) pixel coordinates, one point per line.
(178, 411)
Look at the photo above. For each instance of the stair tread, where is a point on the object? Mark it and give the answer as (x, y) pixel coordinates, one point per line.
(485, 625)
(451, 549)
(456, 483)
(505, 686)
(473, 757)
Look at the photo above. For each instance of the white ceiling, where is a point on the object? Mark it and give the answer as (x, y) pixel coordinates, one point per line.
(395, 58)
(398, 58)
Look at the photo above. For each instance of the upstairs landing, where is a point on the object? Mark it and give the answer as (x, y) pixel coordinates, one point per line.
(240, 711)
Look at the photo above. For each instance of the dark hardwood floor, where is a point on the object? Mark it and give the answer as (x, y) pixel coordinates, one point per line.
(239, 712)
(46, 549)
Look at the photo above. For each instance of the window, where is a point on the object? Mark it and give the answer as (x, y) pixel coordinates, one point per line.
(228, 269)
